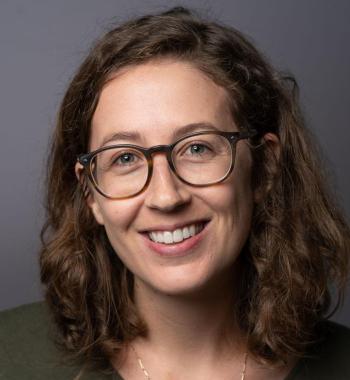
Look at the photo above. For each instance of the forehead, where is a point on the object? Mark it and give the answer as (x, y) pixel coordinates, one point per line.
(155, 99)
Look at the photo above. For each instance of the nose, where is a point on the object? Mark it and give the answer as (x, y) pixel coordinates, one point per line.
(165, 191)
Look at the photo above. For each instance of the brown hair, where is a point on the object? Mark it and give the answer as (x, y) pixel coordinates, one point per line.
(299, 242)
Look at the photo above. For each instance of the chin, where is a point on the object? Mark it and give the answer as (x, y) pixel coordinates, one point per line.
(179, 285)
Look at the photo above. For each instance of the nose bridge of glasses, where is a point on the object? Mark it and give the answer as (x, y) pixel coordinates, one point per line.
(166, 149)
(159, 149)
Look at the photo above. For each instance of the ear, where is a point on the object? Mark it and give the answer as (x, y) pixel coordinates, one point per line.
(272, 143)
(89, 193)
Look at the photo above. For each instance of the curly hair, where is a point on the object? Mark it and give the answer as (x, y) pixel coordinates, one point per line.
(298, 245)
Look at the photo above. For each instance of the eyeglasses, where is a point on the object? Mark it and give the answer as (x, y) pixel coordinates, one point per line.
(199, 159)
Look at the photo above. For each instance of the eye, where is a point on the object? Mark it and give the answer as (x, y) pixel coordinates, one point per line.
(125, 159)
(197, 149)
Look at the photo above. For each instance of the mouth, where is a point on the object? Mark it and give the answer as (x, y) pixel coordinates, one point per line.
(177, 242)
(177, 235)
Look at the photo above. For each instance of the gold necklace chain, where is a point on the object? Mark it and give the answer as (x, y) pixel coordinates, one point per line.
(148, 377)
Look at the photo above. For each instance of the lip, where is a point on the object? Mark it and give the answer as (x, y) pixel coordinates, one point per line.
(177, 249)
(173, 227)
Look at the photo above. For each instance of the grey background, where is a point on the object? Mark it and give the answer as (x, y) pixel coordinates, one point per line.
(42, 43)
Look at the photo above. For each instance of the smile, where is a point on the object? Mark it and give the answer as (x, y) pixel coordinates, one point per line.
(176, 236)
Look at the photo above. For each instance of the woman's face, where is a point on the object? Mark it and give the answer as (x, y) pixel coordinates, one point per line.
(154, 102)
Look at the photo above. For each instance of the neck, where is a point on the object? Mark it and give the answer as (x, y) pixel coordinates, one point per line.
(185, 326)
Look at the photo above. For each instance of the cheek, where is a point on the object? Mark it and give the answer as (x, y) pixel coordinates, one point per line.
(242, 194)
(233, 198)
(118, 217)
(233, 204)
(242, 198)
(236, 209)
(116, 222)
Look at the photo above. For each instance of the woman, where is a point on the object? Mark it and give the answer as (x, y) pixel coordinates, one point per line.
(189, 234)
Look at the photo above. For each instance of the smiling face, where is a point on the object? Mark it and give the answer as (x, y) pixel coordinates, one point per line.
(154, 103)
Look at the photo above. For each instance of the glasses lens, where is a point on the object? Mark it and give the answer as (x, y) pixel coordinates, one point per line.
(203, 159)
(120, 172)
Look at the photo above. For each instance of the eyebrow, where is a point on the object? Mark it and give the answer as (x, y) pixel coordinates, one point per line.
(121, 136)
(177, 133)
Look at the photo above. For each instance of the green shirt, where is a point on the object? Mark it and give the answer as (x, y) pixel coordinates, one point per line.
(27, 352)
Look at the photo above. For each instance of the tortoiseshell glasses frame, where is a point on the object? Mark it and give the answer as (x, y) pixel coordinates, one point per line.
(86, 160)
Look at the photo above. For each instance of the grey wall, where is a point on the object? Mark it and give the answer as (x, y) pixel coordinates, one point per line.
(41, 44)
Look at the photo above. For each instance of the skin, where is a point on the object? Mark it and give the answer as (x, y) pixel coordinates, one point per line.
(186, 301)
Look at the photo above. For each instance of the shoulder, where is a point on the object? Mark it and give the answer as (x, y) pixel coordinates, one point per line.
(329, 357)
(27, 350)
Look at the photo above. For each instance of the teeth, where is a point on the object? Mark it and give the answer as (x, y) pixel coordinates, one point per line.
(168, 237)
(192, 230)
(159, 237)
(186, 233)
(176, 236)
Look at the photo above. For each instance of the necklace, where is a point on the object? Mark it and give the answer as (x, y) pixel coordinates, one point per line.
(148, 377)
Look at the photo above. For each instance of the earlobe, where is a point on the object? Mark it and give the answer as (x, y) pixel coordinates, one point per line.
(273, 143)
(88, 193)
